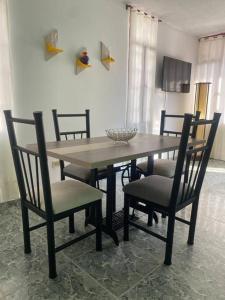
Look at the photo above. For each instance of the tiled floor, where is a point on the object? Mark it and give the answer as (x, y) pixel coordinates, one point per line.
(134, 270)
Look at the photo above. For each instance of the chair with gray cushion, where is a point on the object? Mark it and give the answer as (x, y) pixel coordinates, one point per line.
(166, 166)
(170, 195)
(52, 202)
(72, 170)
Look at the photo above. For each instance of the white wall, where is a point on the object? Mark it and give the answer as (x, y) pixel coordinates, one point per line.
(176, 44)
(43, 85)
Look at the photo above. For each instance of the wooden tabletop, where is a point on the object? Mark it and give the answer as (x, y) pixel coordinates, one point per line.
(101, 151)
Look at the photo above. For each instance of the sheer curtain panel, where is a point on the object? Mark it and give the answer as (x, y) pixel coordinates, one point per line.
(141, 70)
(211, 68)
(8, 190)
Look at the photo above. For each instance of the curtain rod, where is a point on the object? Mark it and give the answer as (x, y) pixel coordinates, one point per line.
(132, 7)
(213, 36)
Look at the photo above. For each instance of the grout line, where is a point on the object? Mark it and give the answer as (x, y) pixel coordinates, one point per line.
(96, 281)
(77, 265)
(139, 281)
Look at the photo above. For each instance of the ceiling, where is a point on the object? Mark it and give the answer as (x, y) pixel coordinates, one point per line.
(197, 17)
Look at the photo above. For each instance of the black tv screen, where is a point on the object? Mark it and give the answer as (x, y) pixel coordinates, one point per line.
(176, 75)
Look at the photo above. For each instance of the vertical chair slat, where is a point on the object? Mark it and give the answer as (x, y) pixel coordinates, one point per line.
(31, 179)
(25, 174)
(197, 171)
(37, 182)
(183, 190)
(191, 173)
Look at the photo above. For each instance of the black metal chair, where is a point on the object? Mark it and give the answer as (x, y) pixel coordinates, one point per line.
(161, 166)
(72, 170)
(168, 196)
(166, 166)
(52, 202)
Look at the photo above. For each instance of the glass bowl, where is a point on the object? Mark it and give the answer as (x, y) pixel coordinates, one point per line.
(121, 134)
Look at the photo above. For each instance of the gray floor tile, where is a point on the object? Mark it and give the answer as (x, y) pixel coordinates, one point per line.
(134, 270)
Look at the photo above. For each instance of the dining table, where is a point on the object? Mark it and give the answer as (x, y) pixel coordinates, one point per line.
(98, 152)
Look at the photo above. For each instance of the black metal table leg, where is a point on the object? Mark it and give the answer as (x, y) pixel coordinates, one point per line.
(110, 200)
(133, 170)
(107, 224)
(90, 212)
(150, 166)
(133, 176)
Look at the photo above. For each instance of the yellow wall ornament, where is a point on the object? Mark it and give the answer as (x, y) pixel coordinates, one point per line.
(51, 48)
(106, 59)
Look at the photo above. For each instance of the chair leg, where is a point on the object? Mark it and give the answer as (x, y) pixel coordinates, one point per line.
(62, 175)
(97, 184)
(51, 249)
(98, 209)
(71, 224)
(26, 231)
(169, 242)
(126, 218)
(194, 212)
(132, 216)
(155, 217)
(87, 214)
(150, 218)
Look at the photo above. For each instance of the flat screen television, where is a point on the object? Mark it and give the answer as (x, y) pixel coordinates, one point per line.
(176, 75)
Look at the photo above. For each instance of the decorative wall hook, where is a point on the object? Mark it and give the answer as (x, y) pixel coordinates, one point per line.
(82, 61)
(106, 59)
(51, 45)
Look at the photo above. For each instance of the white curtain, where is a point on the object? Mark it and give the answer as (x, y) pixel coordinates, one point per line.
(8, 189)
(211, 68)
(141, 70)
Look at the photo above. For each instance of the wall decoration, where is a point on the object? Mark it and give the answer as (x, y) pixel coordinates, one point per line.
(51, 45)
(106, 59)
(82, 61)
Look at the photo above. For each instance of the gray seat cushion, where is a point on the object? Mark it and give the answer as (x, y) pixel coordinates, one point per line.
(162, 167)
(77, 171)
(69, 194)
(154, 188)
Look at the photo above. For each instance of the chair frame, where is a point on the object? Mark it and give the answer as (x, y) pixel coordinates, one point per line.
(33, 203)
(185, 155)
(163, 131)
(99, 175)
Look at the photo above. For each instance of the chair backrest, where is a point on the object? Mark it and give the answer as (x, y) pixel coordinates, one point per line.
(165, 131)
(31, 166)
(192, 162)
(72, 133)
